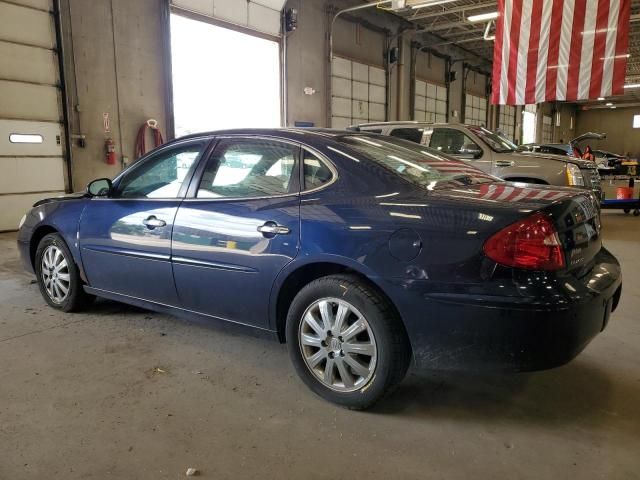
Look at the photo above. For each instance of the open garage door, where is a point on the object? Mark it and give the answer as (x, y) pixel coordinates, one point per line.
(31, 132)
(226, 67)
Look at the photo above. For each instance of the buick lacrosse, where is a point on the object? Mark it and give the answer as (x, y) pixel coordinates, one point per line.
(363, 253)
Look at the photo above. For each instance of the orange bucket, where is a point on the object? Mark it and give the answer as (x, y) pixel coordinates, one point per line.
(624, 193)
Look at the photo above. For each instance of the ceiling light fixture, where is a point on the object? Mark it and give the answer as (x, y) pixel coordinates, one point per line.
(632, 85)
(430, 4)
(608, 104)
(600, 98)
(482, 17)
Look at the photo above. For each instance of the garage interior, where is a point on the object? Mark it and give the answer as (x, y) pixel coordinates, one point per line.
(121, 392)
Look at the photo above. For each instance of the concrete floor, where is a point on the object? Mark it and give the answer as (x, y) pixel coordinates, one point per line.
(119, 392)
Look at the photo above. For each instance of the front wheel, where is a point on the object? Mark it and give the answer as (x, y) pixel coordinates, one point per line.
(58, 276)
(346, 342)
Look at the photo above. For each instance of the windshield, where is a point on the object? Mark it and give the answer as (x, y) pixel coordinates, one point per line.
(420, 165)
(496, 141)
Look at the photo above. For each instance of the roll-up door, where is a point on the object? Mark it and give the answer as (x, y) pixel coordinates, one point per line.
(475, 110)
(31, 132)
(430, 102)
(259, 15)
(358, 93)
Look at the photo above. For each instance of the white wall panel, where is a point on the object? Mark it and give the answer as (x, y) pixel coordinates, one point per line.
(12, 207)
(341, 87)
(363, 86)
(360, 72)
(39, 174)
(260, 15)
(377, 94)
(33, 164)
(360, 91)
(43, 4)
(27, 101)
(341, 68)
(376, 112)
(360, 109)
(377, 76)
(25, 25)
(50, 133)
(263, 19)
(20, 62)
(341, 107)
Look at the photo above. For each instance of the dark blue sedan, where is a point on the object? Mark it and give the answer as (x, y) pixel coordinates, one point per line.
(362, 252)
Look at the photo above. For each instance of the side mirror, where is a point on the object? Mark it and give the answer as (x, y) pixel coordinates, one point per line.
(99, 188)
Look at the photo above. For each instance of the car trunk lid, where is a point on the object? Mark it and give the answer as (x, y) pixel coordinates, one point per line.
(577, 220)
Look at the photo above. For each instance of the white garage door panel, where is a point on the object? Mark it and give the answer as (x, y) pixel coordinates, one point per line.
(341, 87)
(263, 19)
(40, 174)
(12, 207)
(376, 94)
(22, 100)
(19, 62)
(262, 16)
(25, 25)
(42, 4)
(377, 76)
(341, 107)
(50, 133)
(358, 87)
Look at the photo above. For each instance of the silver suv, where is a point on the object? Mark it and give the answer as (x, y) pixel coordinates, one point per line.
(493, 153)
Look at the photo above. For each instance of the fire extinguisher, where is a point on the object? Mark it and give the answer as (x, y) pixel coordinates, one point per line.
(110, 149)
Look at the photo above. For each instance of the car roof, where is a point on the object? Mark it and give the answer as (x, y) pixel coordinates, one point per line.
(291, 133)
(409, 123)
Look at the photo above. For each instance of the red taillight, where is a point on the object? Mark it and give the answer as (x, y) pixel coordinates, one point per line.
(531, 243)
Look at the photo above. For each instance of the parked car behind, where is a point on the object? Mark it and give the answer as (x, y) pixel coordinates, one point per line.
(361, 252)
(493, 153)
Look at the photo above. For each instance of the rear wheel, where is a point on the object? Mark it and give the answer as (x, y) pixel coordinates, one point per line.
(346, 342)
(58, 276)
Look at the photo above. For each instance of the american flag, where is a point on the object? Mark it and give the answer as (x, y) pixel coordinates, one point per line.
(547, 50)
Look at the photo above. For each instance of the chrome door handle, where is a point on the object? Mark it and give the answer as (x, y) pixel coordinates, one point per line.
(505, 163)
(153, 222)
(272, 228)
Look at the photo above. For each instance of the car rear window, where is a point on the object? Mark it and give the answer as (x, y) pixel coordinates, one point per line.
(420, 165)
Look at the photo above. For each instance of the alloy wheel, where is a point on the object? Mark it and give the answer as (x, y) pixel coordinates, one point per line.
(337, 344)
(55, 274)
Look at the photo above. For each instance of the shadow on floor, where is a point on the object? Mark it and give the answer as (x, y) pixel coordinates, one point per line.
(579, 393)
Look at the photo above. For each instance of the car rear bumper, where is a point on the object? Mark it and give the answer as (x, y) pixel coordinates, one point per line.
(474, 331)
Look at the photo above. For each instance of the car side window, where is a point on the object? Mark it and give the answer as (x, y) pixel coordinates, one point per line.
(161, 175)
(248, 168)
(316, 172)
(454, 142)
(411, 134)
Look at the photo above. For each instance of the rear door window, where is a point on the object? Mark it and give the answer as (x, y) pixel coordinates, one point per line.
(454, 142)
(411, 134)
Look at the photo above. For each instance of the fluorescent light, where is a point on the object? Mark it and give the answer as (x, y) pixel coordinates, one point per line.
(613, 106)
(482, 17)
(600, 98)
(632, 85)
(431, 4)
(608, 104)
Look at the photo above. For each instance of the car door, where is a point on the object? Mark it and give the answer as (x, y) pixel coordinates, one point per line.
(459, 144)
(237, 229)
(125, 238)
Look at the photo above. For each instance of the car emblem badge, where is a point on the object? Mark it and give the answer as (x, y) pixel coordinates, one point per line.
(335, 344)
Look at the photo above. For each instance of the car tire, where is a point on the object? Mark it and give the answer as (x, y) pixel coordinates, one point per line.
(58, 276)
(369, 348)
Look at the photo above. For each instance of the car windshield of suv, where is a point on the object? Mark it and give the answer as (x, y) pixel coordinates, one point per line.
(420, 165)
(496, 141)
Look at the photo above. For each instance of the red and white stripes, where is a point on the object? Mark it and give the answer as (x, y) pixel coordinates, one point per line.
(547, 50)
